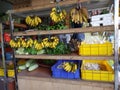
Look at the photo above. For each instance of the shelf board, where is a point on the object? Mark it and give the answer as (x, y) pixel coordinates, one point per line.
(39, 72)
(67, 31)
(47, 6)
(45, 74)
(17, 25)
(65, 57)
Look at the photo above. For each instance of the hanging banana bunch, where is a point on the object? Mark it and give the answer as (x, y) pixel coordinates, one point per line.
(57, 15)
(33, 21)
(79, 15)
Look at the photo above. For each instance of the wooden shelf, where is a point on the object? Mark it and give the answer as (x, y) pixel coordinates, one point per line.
(65, 57)
(67, 31)
(48, 6)
(39, 72)
(17, 25)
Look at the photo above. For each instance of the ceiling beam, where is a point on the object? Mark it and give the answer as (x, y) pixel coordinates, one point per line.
(7, 1)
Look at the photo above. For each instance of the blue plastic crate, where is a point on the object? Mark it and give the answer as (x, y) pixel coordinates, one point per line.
(8, 56)
(61, 73)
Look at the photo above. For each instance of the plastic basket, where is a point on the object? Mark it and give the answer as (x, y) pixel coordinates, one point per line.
(96, 49)
(10, 73)
(61, 73)
(8, 56)
(97, 75)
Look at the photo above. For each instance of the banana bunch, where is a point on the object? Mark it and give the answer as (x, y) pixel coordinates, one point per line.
(33, 21)
(70, 67)
(38, 46)
(21, 43)
(79, 15)
(57, 15)
(51, 43)
(46, 42)
(13, 44)
(27, 43)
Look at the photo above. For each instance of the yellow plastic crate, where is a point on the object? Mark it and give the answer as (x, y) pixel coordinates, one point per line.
(97, 75)
(96, 49)
(10, 73)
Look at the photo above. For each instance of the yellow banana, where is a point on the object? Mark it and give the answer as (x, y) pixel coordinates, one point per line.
(84, 12)
(66, 63)
(39, 20)
(84, 18)
(74, 68)
(54, 9)
(35, 41)
(67, 66)
(81, 19)
(27, 20)
(32, 23)
(36, 21)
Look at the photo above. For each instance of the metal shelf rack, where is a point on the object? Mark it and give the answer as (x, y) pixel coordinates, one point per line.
(115, 27)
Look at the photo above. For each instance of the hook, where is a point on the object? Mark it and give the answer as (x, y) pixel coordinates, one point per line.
(78, 4)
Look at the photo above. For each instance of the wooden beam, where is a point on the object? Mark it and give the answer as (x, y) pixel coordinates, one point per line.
(65, 57)
(40, 7)
(17, 25)
(67, 31)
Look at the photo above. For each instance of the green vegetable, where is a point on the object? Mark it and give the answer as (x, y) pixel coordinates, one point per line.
(63, 48)
(22, 67)
(31, 50)
(34, 52)
(33, 67)
(29, 62)
(41, 51)
(20, 51)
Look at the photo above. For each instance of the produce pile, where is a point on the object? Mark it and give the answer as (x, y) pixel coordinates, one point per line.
(26, 43)
(69, 66)
(94, 66)
(55, 26)
(47, 45)
(30, 65)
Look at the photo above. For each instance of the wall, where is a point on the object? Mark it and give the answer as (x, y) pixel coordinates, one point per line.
(4, 6)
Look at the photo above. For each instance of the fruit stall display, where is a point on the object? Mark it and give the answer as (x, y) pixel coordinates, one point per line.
(51, 44)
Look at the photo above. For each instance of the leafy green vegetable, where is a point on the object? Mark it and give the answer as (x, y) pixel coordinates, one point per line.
(61, 48)
(31, 50)
(41, 51)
